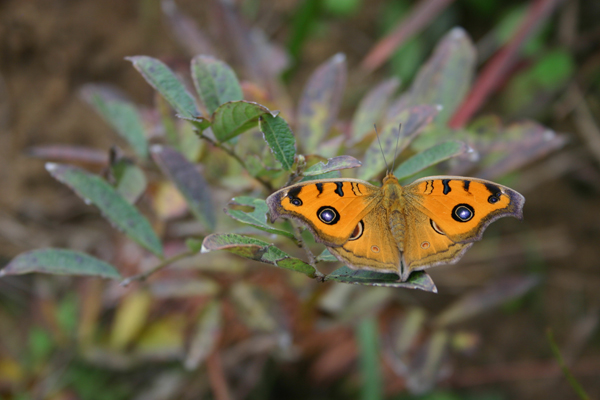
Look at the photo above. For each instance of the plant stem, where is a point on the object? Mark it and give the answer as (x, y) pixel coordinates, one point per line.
(144, 275)
(570, 378)
(233, 154)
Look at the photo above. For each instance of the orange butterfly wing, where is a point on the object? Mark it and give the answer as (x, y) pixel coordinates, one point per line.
(331, 209)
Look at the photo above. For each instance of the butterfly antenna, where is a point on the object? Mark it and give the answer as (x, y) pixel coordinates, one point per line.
(382, 153)
(396, 150)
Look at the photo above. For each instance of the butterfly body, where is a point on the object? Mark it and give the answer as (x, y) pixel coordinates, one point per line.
(393, 228)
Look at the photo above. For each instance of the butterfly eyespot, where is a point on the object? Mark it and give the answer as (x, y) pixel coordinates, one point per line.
(463, 213)
(375, 249)
(328, 215)
(358, 231)
(425, 245)
(296, 201)
(493, 199)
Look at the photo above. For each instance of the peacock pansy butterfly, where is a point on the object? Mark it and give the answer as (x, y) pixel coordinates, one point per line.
(393, 228)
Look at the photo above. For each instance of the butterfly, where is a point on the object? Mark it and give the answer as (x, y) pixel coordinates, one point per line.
(394, 228)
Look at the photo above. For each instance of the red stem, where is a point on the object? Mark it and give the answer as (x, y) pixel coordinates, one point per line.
(497, 68)
(420, 16)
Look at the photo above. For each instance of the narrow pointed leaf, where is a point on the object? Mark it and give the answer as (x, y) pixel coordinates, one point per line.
(206, 336)
(431, 156)
(255, 249)
(417, 280)
(326, 256)
(497, 293)
(426, 366)
(333, 164)
(131, 316)
(371, 108)
(189, 181)
(236, 117)
(122, 115)
(215, 82)
(280, 139)
(161, 78)
(411, 122)
(256, 217)
(95, 190)
(410, 328)
(446, 77)
(320, 102)
(59, 262)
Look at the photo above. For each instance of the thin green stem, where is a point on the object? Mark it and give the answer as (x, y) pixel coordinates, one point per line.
(233, 154)
(144, 275)
(570, 378)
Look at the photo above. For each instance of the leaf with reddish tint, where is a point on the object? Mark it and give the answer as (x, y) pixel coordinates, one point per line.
(236, 117)
(519, 144)
(430, 157)
(161, 78)
(122, 115)
(280, 139)
(320, 103)
(255, 249)
(59, 262)
(333, 164)
(189, 181)
(68, 153)
(215, 82)
(257, 217)
(372, 107)
(206, 335)
(411, 122)
(186, 30)
(95, 190)
(446, 77)
(498, 292)
(416, 280)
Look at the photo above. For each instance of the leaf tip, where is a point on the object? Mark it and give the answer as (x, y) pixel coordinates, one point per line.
(2, 272)
(339, 58)
(51, 167)
(439, 107)
(156, 148)
(457, 33)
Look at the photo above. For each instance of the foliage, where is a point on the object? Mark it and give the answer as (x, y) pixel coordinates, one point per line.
(225, 140)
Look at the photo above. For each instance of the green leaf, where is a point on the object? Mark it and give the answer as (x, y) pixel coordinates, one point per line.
(411, 122)
(371, 108)
(215, 82)
(416, 280)
(189, 181)
(446, 77)
(280, 138)
(368, 344)
(431, 156)
(236, 117)
(333, 164)
(122, 115)
(206, 337)
(257, 217)
(320, 102)
(95, 190)
(161, 78)
(59, 262)
(131, 180)
(258, 250)
(326, 256)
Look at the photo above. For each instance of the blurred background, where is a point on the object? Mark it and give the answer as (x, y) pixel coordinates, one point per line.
(485, 335)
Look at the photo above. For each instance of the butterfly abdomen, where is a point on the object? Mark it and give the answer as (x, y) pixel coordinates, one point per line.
(397, 226)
